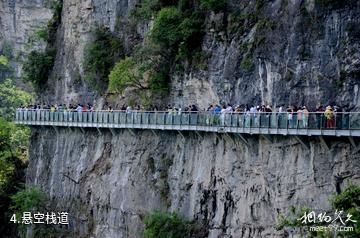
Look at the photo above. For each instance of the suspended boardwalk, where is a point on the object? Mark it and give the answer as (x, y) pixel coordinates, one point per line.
(344, 124)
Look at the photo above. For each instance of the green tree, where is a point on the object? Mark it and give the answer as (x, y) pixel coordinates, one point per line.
(349, 202)
(27, 200)
(100, 57)
(214, 5)
(166, 30)
(149, 8)
(3, 60)
(159, 82)
(11, 98)
(12, 175)
(170, 225)
(4, 67)
(125, 74)
(38, 67)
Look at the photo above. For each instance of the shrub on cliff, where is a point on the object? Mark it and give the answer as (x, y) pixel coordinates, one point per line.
(166, 30)
(214, 5)
(100, 57)
(13, 141)
(38, 67)
(3, 60)
(170, 225)
(124, 74)
(11, 98)
(149, 8)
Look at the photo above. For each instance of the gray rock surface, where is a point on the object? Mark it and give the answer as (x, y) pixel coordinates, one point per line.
(109, 183)
(19, 22)
(301, 53)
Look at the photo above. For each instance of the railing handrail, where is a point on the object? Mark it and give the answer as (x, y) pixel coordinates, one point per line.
(347, 123)
(181, 111)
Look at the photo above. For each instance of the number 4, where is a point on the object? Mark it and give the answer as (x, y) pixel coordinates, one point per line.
(13, 218)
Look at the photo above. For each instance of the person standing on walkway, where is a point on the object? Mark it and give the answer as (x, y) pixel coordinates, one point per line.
(290, 117)
(299, 118)
(305, 117)
(329, 115)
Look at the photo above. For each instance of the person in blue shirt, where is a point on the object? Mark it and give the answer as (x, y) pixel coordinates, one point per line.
(217, 109)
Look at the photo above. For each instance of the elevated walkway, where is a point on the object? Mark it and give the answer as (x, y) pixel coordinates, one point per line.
(344, 124)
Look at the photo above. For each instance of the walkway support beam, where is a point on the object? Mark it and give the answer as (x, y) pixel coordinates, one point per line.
(268, 138)
(325, 143)
(303, 142)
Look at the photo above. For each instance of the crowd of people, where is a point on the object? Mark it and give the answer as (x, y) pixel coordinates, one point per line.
(296, 116)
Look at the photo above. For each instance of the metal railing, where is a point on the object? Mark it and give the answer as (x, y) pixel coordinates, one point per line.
(314, 120)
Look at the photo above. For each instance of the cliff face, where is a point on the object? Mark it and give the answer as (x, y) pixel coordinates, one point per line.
(301, 53)
(310, 48)
(19, 22)
(109, 182)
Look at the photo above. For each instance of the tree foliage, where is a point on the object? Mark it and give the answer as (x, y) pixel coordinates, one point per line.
(166, 30)
(349, 202)
(170, 225)
(124, 74)
(27, 200)
(13, 151)
(3, 60)
(12, 167)
(38, 67)
(4, 67)
(174, 38)
(149, 8)
(100, 57)
(11, 98)
(158, 82)
(214, 5)
(31, 199)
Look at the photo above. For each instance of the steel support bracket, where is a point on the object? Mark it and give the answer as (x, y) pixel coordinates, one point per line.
(242, 138)
(132, 132)
(198, 134)
(323, 140)
(181, 134)
(303, 142)
(352, 141)
(154, 132)
(267, 137)
(229, 137)
(113, 131)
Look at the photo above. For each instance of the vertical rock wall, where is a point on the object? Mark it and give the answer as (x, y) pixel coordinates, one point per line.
(108, 183)
(19, 22)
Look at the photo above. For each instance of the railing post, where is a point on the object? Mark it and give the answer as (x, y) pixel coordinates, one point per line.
(321, 122)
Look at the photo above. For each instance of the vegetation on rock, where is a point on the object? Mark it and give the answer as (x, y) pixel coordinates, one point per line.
(39, 64)
(38, 67)
(100, 57)
(161, 224)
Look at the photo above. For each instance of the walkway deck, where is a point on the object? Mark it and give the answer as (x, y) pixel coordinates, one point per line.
(345, 124)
